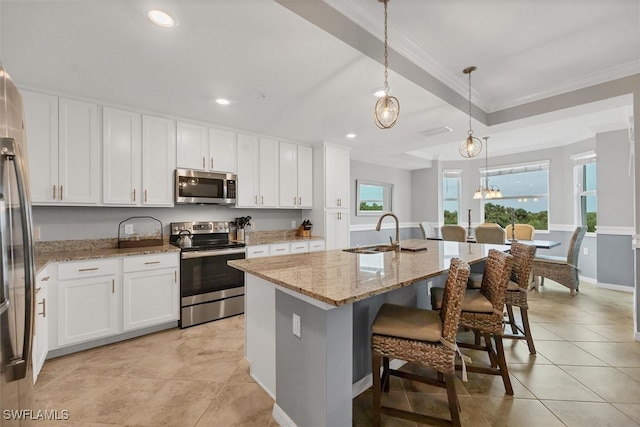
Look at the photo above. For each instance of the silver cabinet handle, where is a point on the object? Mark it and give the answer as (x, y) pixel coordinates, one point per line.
(175, 276)
(61, 193)
(45, 279)
(113, 286)
(89, 269)
(262, 200)
(255, 199)
(294, 200)
(300, 201)
(134, 194)
(152, 262)
(203, 161)
(54, 192)
(145, 196)
(44, 307)
(211, 163)
(280, 250)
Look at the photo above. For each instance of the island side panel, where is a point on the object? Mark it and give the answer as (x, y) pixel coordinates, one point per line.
(313, 372)
(260, 332)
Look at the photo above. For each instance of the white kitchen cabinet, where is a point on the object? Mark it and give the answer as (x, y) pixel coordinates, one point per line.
(192, 146)
(258, 251)
(299, 247)
(121, 157)
(41, 326)
(336, 228)
(150, 290)
(158, 161)
(63, 143)
(280, 249)
(88, 300)
(337, 183)
(257, 172)
(296, 176)
(316, 245)
(222, 150)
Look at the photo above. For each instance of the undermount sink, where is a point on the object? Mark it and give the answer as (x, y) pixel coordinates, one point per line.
(370, 249)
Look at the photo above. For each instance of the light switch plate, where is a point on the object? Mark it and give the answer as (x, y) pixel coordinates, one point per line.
(128, 229)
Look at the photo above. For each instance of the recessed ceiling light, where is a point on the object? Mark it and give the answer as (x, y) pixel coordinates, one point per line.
(350, 135)
(161, 18)
(223, 101)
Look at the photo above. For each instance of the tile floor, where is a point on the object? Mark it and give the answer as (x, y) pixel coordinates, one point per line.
(586, 373)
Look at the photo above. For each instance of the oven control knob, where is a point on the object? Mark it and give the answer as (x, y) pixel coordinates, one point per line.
(215, 226)
(226, 226)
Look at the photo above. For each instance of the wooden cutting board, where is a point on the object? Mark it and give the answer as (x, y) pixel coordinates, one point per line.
(414, 245)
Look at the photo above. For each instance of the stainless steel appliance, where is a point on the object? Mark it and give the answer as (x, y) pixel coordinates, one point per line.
(16, 262)
(209, 288)
(198, 187)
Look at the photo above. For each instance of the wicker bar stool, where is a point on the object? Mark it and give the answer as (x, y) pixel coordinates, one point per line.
(482, 312)
(517, 291)
(423, 336)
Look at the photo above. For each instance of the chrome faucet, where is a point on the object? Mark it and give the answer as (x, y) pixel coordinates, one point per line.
(395, 245)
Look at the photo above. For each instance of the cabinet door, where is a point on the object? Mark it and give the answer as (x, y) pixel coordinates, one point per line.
(222, 150)
(87, 309)
(288, 175)
(150, 298)
(78, 153)
(41, 329)
(158, 161)
(336, 229)
(121, 148)
(247, 185)
(193, 146)
(337, 177)
(305, 177)
(269, 177)
(41, 122)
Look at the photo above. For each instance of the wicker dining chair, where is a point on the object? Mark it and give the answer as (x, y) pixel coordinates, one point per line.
(517, 291)
(482, 312)
(453, 232)
(424, 336)
(559, 269)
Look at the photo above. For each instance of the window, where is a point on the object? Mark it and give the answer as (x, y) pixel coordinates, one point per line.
(373, 198)
(525, 193)
(585, 176)
(451, 196)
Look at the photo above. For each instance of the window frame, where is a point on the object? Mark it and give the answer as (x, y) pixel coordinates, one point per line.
(452, 174)
(514, 169)
(579, 163)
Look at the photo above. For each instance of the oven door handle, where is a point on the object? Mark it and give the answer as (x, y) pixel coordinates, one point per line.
(211, 252)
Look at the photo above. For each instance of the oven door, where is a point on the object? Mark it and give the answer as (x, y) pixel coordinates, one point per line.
(206, 272)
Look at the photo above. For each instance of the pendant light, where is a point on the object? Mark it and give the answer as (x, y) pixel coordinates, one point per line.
(471, 146)
(487, 192)
(387, 107)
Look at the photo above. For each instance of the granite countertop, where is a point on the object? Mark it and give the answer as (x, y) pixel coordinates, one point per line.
(338, 277)
(77, 250)
(270, 237)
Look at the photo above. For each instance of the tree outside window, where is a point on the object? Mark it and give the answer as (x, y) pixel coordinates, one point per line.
(451, 196)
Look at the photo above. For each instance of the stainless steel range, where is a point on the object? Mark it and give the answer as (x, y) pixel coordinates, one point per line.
(209, 288)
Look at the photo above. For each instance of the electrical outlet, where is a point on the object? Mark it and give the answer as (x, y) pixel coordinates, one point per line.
(36, 232)
(252, 224)
(128, 229)
(585, 251)
(296, 325)
(293, 223)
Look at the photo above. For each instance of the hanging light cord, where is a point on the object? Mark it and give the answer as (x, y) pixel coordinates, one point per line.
(470, 129)
(386, 56)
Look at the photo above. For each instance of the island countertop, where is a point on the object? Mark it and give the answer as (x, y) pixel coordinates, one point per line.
(338, 277)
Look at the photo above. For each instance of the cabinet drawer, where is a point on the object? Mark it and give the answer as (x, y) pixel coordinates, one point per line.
(149, 262)
(280, 249)
(299, 247)
(93, 268)
(258, 251)
(316, 245)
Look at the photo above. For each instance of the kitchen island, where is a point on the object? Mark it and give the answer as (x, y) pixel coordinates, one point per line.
(308, 320)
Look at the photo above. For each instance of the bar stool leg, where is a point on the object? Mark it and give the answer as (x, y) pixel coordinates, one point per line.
(512, 319)
(527, 330)
(502, 363)
(377, 398)
(454, 403)
(385, 374)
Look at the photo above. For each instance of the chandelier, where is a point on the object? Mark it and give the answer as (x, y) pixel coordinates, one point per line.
(487, 192)
(471, 146)
(387, 107)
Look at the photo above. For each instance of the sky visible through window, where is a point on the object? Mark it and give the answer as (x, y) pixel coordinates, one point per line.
(519, 190)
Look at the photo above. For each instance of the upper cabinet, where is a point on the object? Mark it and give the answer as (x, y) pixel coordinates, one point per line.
(202, 148)
(138, 159)
(257, 172)
(63, 144)
(337, 182)
(296, 176)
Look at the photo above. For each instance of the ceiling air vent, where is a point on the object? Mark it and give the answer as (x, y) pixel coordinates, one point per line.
(436, 131)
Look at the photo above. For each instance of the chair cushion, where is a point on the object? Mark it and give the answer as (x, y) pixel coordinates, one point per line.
(475, 280)
(549, 258)
(513, 286)
(474, 301)
(408, 322)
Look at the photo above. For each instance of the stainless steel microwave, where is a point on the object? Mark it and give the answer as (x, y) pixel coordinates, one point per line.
(198, 187)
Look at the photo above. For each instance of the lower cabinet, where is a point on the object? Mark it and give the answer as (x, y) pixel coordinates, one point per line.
(150, 291)
(337, 228)
(274, 249)
(41, 325)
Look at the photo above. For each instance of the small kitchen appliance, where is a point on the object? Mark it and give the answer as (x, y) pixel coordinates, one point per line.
(209, 288)
(198, 187)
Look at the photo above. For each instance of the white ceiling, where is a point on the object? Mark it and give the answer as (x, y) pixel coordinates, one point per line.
(305, 70)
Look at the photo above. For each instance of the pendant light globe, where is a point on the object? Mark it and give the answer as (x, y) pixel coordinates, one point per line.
(471, 146)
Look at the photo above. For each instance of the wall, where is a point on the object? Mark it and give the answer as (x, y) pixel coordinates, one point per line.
(73, 223)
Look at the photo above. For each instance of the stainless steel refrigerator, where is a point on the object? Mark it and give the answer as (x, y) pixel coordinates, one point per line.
(16, 262)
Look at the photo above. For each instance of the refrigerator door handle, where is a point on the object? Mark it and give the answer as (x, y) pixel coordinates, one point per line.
(4, 297)
(11, 151)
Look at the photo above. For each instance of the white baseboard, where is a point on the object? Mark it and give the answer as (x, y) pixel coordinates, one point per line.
(589, 280)
(364, 383)
(281, 417)
(261, 384)
(614, 287)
